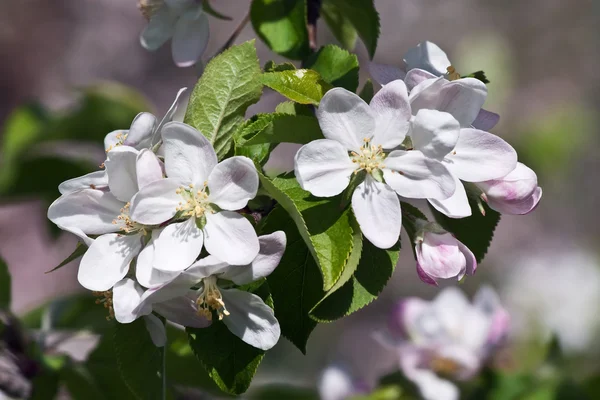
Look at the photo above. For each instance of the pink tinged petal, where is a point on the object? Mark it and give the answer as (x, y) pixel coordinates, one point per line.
(487, 301)
(230, 237)
(469, 257)
(107, 260)
(250, 319)
(156, 329)
(416, 76)
(114, 138)
(434, 133)
(159, 29)
(126, 297)
(189, 156)
(430, 385)
(178, 287)
(177, 246)
(205, 267)
(413, 175)
(384, 74)
(148, 167)
(271, 250)
(432, 85)
(183, 311)
(485, 120)
(440, 256)
(480, 156)
(391, 110)
(404, 318)
(93, 180)
(427, 56)
(90, 210)
(121, 171)
(232, 183)
(145, 273)
(423, 276)
(190, 38)
(323, 167)
(345, 118)
(457, 205)
(156, 203)
(449, 306)
(377, 210)
(141, 130)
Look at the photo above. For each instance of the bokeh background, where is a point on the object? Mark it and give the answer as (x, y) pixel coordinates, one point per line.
(74, 68)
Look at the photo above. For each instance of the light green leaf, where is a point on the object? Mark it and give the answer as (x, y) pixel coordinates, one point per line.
(336, 66)
(362, 15)
(296, 283)
(303, 86)
(78, 252)
(281, 24)
(289, 107)
(340, 26)
(367, 92)
(5, 286)
(228, 86)
(271, 66)
(324, 227)
(286, 128)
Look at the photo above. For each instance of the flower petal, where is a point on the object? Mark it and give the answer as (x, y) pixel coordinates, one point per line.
(384, 74)
(416, 76)
(177, 246)
(485, 120)
(480, 156)
(126, 297)
(391, 110)
(168, 115)
(440, 256)
(404, 321)
(413, 175)
(205, 267)
(114, 138)
(518, 208)
(156, 202)
(190, 38)
(345, 118)
(107, 260)
(183, 311)
(90, 210)
(455, 206)
(148, 167)
(469, 257)
(250, 319)
(428, 56)
(141, 130)
(323, 167)
(159, 29)
(121, 171)
(434, 133)
(271, 250)
(156, 329)
(230, 237)
(79, 233)
(145, 273)
(377, 210)
(189, 156)
(232, 183)
(93, 180)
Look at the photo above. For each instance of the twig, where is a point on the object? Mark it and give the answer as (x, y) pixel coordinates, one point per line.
(313, 12)
(236, 32)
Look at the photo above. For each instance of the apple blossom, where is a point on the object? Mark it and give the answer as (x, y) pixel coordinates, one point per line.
(336, 383)
(183, 21)
(360, 138)
(516, 193)
(199, 197)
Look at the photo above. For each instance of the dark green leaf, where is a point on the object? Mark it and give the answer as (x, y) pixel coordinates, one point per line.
(207, 7)
(336, 66)
(367, 92)
(78, 252)
(342, 27)
(296, 282)
(303, 86)
(281, 24)
(5, 286)
(45, 385)
(271, 66)
(361, 14)
(81, 384)
(228, 86)
(479, 75)
(287, 128)
(289, 107)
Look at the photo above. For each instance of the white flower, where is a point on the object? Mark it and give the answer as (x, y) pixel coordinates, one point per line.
(448, 336)
(336, 383)
(199, 197)
(358, 138)
(244, 313)
(184, 22)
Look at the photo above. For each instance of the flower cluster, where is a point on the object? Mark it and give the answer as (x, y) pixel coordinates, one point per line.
(422, 136)
(162, 200)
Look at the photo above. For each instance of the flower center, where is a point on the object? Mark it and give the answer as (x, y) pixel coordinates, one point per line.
(106, 298)
(452, 74)
(127, 224)
(195, 202)
(121, 136)
(444, 366)
(210, 299)
(369, 157)
(149, 7)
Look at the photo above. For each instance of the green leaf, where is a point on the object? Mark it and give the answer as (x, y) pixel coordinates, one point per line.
(228, 86)
(78, 252)
(363, 17)
(287, 128)
(323, 225)
(5, 286)
(336, 66)
(475, 232)
(272, 66)
(230, 362)
(289, 107)
(81, 384)
(367, 92)
(479, 75)
(340, 26)
(140, 362)
(303, 86)
(281, 24)
(296, 282)
(206, 6)
(45, 385)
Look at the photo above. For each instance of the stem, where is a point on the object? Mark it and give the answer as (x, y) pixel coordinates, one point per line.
(236, 32)
(313, 12)
(164, 370)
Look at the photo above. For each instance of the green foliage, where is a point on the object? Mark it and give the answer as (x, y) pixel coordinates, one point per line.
(228, 86)
(281, 24)
(78, 252)
(480, 75)
(367, 92)
(303, 86)
(296, 282)
(336, 66)
(271, 66)
(360, 14)
(278, 128)
(340, 25)
(5, 286)
(410, 215)
(323, 225)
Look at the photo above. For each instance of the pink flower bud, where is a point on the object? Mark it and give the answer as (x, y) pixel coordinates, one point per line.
(442, 256)
(517, 193)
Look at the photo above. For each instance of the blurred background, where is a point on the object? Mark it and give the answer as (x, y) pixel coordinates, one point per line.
(75, 70)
